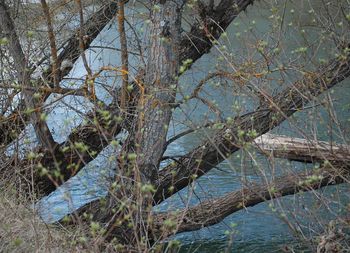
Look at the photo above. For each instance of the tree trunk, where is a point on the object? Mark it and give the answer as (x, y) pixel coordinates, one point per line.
(157, 95)
(160, 87)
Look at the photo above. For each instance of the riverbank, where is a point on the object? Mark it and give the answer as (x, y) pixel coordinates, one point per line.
(22, 231)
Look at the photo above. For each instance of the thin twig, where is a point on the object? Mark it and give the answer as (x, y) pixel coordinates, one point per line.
(124, 54)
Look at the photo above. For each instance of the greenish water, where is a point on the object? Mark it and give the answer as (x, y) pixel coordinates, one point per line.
(264, 227)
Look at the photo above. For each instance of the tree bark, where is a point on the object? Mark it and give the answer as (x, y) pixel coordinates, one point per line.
(124, 55)
(157, 94)
(160, 86)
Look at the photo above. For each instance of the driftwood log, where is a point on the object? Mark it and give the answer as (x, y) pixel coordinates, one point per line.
(303, 150)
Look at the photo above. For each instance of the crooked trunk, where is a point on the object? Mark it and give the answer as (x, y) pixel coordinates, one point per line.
(157, 95)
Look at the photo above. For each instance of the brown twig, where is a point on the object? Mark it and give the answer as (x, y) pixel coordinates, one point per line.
(124, 54)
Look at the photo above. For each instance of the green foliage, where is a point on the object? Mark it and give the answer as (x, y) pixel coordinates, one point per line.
(4, 41)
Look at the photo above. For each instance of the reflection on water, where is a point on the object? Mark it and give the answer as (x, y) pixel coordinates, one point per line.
(257, 229)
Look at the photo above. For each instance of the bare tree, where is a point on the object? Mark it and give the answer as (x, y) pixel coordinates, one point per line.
(179, 33)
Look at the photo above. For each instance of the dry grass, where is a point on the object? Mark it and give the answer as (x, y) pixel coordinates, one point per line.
(22, 231)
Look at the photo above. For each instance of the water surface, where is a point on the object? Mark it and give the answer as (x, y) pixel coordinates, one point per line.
(262, 228)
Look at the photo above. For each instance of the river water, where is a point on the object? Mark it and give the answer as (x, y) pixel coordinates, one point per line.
(264, 227)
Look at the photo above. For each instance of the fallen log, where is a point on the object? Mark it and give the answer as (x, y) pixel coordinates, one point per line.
(303, 150)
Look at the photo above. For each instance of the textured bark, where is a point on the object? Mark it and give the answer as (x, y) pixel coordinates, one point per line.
(160, 85)
(211, 212)
(230, 139)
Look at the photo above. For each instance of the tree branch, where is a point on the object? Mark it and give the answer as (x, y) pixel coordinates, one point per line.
(51, 34)
(124, 54)
(214, 211)
(200, 38)
(247, 127)
(303, 150)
